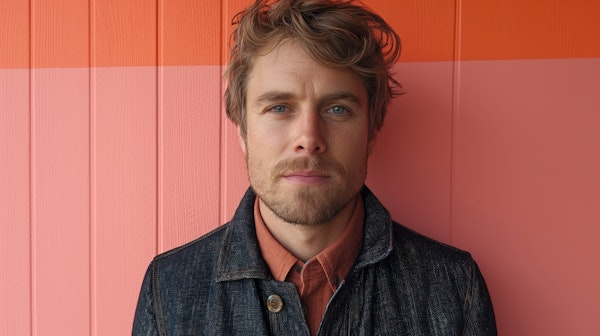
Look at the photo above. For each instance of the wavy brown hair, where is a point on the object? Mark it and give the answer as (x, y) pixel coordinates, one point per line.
(336, 33)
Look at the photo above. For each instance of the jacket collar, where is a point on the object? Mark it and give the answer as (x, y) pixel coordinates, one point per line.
(240, 256)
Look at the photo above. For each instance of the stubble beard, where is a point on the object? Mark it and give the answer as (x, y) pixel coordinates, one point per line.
(306, 205)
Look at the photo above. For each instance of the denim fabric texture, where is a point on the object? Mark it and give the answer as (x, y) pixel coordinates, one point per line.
(402, 283)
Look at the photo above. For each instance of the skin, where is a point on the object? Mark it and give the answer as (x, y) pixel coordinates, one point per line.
(306, 146)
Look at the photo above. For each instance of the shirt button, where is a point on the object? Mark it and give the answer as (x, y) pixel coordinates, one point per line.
(274, 303)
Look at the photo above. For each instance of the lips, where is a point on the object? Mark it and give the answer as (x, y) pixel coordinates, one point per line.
(306, 178)
(306, 171)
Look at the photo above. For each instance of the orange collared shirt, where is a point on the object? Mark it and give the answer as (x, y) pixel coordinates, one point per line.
(317, 278)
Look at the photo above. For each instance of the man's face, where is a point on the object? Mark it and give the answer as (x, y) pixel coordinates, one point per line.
(307, 135)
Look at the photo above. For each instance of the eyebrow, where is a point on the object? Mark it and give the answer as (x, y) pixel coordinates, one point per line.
(283, 95)
(273, 96)
(342, 95)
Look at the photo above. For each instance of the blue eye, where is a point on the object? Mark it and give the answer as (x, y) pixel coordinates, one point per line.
(278, 109)
(338, 110)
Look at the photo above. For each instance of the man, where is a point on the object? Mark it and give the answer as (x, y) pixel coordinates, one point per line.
(310, 250)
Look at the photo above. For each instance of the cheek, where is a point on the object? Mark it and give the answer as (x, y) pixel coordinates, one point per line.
(352, 142)
(263, 149)
(267, 138)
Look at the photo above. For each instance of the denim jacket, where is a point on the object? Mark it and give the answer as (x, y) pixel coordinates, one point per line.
(402, 283)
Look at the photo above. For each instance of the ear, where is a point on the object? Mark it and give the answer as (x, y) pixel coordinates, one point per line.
(242, 139)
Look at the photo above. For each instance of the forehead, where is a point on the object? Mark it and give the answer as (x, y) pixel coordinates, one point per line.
(288, 67)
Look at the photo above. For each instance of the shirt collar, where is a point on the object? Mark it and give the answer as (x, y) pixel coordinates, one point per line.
(336, 260)
(240, 256)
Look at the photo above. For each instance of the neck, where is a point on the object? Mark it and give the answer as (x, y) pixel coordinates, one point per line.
(306, 241)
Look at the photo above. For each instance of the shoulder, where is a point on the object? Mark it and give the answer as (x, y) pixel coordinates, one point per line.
(448, 276)
(409, 239)
(418, 251)
(202, 252)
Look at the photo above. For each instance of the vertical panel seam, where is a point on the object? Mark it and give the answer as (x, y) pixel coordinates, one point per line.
(159, 128)
(92, 170)
(222, 61)
(455, 107)
(31, 182)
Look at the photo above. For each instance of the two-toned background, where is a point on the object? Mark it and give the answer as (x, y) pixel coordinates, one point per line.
(114, 147)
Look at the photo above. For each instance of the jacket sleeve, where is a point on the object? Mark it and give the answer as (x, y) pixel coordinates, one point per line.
(479, 312)
(145, 322)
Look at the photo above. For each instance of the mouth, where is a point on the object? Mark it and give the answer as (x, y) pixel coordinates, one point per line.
(306, 178)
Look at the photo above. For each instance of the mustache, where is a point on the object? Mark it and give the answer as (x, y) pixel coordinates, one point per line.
(320, 165)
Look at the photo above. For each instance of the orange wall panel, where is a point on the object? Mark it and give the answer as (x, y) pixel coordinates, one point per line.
(189, 32)
(487, 30)
(517, 29)
(59, 33)
(14, 35)
(427, 28)
(124, 33)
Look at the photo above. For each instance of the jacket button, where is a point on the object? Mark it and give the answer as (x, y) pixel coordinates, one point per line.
(274, 303)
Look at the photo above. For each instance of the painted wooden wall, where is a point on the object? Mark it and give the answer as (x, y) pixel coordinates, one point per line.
(114, 147)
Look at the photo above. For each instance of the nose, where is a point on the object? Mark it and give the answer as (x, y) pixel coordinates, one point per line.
(310, 131)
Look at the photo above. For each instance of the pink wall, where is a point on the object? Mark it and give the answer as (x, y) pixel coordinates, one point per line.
(114, 147)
